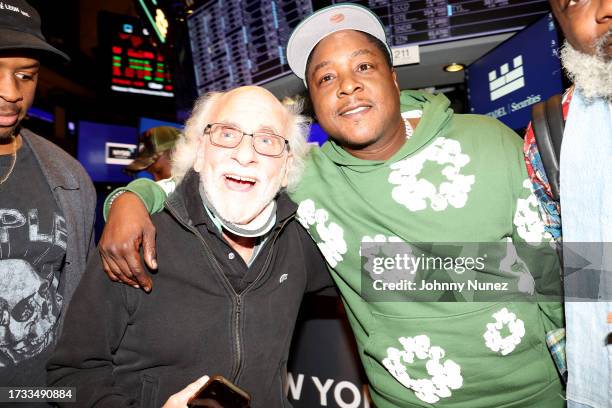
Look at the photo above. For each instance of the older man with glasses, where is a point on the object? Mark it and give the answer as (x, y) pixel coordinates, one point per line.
(234, 265)
(388, 186)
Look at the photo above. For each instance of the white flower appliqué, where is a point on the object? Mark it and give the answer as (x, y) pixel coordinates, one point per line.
(527, 219)
(444, 376)
(504, 345)
(332, 243)
(413, 192)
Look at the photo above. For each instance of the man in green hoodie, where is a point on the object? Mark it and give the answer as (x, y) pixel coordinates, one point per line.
(402, 168)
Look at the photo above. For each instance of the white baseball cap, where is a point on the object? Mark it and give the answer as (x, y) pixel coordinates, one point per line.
(327, 21)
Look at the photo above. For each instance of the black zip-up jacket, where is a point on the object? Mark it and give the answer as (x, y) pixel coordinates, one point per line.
(121, 347)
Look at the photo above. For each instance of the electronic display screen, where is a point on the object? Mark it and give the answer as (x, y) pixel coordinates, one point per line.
(136, 65)
(518, 73)
(237, 43)
(429, 21)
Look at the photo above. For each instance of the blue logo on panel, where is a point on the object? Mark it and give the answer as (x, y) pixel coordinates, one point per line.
(520, 72)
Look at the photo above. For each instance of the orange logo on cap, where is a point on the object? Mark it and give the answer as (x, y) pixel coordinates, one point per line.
(337, 18)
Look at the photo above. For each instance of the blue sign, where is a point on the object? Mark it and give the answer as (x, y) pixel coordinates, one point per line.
(145, 124)
(518, 73)
(317, 134)
(104, 150)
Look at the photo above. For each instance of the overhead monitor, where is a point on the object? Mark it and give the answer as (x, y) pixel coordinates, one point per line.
(237, 43)
(518, 73)
(135, 64)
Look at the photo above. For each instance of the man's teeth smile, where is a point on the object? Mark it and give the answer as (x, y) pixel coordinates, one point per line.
(239, 183)
(358, 109)
(241, 180)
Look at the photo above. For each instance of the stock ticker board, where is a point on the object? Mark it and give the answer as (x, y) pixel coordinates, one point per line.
(429, 21)
(137, 66)
(243, 42)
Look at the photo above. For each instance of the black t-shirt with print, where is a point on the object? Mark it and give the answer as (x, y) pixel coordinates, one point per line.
(32, 251)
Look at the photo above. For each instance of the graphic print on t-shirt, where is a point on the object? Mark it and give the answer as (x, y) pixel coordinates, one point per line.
(33, 237)
(29, 302)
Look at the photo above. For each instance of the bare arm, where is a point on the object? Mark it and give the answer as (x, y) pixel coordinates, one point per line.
(128, 228)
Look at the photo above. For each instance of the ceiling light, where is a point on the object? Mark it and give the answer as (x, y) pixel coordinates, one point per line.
(454, 67)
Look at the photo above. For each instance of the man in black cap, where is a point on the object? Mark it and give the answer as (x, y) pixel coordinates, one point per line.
(155, 152)
(47, 207)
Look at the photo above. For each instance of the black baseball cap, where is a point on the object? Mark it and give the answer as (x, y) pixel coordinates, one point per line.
(20, 29)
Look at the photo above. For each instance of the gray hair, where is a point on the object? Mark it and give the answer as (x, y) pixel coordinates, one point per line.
(592, 74)
(184, 155)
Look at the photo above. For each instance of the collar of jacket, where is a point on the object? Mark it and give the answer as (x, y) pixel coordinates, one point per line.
(187, 191)
(52, 165)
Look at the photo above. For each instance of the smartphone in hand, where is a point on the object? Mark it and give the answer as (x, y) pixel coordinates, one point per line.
(219, 392)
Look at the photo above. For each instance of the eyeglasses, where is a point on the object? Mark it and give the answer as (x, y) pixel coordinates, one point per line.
(266, 144)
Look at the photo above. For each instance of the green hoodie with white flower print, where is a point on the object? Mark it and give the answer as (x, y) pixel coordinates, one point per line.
(458, 179)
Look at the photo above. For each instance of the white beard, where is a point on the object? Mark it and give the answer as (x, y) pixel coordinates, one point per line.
(236, 211)
(592, 74)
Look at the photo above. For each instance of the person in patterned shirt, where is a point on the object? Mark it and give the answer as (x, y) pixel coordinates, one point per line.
(584, 197)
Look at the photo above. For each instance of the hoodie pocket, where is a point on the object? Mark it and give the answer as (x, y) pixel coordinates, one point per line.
(148, 392)
(459, 354)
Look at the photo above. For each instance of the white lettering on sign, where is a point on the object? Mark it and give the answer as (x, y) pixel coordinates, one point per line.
(295, 389)
(355, 397)
(408, 54)
(119, 153)
(525, 103)
(497, 113)
(323, 389)
(345, 394)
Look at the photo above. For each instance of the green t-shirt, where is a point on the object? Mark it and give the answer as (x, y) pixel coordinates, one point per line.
(458, 179)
